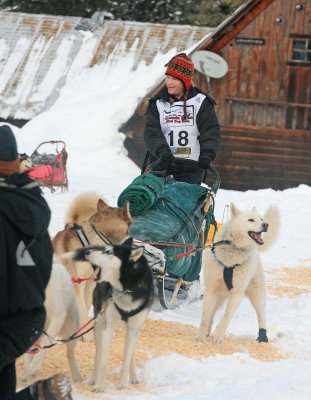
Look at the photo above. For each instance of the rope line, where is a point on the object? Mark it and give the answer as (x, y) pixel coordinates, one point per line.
(37, 346)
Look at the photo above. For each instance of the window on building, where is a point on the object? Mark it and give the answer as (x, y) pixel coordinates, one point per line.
(301, 50)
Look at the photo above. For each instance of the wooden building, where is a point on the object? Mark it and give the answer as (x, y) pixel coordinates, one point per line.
(263, 102)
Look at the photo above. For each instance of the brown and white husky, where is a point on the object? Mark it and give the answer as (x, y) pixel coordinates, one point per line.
(90, 216)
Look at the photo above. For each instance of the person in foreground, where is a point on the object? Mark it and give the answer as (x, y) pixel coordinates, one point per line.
(181, 125)
(25, 266)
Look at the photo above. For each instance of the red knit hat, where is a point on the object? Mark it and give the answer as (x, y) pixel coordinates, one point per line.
(182, 68)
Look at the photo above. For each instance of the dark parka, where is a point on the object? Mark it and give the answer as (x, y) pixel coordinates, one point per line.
(25, 247)
(209, 138)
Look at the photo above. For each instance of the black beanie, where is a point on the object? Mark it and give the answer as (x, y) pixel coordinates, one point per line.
(8, 147)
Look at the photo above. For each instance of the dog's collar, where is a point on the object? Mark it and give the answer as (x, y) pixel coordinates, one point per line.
(228, 269)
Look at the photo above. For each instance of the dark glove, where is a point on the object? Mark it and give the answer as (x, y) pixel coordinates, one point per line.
(204, 162)
(167, 159)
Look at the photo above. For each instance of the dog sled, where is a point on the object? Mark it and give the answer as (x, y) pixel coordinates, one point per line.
(49, 168)
(173, 229)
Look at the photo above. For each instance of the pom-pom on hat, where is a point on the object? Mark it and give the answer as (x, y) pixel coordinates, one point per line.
(8, 146)
(182, 68)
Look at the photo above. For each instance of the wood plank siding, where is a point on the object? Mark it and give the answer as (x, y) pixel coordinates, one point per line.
(264, 101)
(249, 160)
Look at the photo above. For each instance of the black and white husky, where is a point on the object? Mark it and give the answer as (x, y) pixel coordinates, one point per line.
(124, 291)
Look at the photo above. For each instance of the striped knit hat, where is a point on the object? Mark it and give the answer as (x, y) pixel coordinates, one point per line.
(182, 68)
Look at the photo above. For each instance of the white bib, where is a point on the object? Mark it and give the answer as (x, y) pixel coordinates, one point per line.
(181, 136)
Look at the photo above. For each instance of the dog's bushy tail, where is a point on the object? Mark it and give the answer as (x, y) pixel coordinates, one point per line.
(273, 218)
(82, 208)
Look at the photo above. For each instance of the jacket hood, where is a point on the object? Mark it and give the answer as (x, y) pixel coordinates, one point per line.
(24, 206)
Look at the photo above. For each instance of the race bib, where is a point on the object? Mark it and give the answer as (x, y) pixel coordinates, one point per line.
(181, 133)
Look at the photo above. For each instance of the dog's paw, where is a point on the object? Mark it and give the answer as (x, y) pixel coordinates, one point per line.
(122, 385)
(90, 380)
(217, 339)
(76, 376)
(97, 389)
(199, 339)
(134, 380)
(262, 336)
(218, 336)
(78, 379)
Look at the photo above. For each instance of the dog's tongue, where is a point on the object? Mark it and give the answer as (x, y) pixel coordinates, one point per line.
(257, 237)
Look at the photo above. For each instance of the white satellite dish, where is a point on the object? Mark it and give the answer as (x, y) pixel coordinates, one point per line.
(209, 63)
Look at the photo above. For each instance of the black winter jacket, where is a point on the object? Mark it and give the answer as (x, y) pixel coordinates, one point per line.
(209, 138)
(25, 247)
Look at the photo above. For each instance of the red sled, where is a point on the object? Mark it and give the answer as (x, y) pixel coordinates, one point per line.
(49, 169)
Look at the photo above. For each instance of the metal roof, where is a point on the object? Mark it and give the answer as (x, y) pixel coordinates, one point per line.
(37, 52)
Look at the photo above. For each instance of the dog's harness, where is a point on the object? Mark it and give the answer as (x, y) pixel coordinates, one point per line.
(81, 234)
(125, 315)
(228, 269)
(84, 240)
(83, 237)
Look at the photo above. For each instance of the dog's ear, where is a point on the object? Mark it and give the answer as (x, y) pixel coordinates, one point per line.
(23, 156)
(128, 242)
(126, 210)
(136, 254)
(101, 205)
(234, 210)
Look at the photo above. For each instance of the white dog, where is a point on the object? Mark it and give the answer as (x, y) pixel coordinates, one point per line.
(232, 269)
(62, 319)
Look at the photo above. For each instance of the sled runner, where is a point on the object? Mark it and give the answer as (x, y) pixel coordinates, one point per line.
(173, 230)
(50, 168)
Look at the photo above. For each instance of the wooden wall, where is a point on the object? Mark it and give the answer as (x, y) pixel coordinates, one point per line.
(262, 84)
(249, 160)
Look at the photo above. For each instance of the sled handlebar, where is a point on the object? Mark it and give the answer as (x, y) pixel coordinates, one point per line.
(49, 142)
(216, 178)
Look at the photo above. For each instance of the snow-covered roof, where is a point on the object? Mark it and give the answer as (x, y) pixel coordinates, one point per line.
(43, 51)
